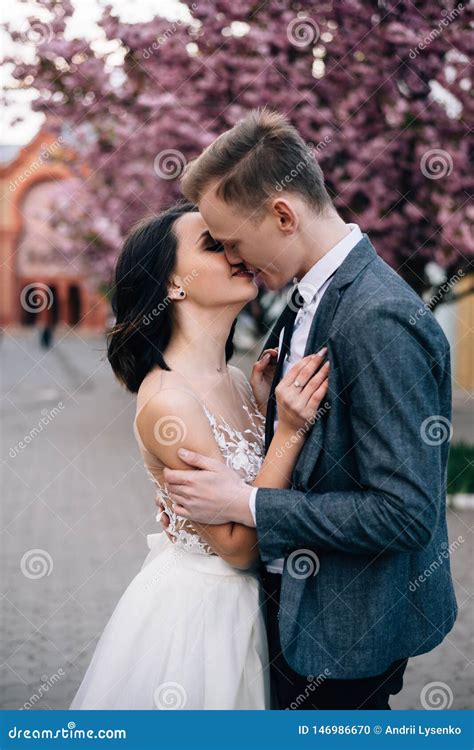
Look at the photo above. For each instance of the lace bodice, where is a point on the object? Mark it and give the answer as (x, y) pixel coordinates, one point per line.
(242, 450)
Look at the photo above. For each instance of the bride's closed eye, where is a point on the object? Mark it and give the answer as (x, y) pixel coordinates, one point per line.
(212, 245)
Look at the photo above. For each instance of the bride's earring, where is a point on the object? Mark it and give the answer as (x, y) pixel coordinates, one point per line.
(176, 290)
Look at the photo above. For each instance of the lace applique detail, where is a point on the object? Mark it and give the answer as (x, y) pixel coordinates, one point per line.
(242, 454)
(181, 529)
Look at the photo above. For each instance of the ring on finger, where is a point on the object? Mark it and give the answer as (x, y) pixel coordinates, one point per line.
(297, 384)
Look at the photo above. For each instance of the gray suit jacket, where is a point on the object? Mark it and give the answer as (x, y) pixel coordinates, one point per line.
(367, 578)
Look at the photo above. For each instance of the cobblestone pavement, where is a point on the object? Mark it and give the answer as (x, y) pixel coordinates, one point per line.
(75, 515)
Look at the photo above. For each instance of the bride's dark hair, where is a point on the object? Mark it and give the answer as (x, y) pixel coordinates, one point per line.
(140, 302)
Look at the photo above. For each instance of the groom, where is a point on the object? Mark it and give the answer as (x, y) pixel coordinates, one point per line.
(343, 549)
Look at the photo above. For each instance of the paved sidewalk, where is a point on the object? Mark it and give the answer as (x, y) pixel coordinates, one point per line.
(76, 511)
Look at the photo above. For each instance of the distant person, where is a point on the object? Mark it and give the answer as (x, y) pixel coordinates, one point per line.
(46, 336)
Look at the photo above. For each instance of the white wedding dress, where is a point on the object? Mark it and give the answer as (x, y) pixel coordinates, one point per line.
(188, 633)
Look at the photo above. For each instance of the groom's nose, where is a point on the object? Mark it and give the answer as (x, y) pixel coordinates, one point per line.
(232, 255)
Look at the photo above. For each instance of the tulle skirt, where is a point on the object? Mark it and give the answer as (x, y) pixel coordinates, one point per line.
(188, 633)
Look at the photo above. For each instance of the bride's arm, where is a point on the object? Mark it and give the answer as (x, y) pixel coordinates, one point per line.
(177, 412)
(235, 543)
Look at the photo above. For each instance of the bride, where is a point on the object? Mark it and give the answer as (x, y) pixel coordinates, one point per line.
(189, 631)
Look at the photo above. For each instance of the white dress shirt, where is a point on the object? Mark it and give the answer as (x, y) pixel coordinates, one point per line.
(311, 288)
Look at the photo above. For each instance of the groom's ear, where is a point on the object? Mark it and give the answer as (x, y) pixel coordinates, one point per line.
(285, 215)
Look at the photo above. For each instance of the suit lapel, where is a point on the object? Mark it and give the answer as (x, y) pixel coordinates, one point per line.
(357, 259)
(318, 333)
(318, 337)
(355, 262)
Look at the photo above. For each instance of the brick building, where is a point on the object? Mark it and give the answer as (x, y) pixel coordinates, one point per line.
(38, 282)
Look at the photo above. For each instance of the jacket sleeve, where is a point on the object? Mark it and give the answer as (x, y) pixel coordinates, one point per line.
(392, 371)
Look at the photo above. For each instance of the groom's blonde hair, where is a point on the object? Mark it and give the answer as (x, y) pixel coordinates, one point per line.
(262, 156)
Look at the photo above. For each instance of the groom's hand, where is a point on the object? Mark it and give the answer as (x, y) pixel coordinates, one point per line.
(213, 494)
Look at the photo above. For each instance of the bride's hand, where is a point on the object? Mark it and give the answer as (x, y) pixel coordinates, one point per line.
(262, 376)
(300, 392)
(164, 517)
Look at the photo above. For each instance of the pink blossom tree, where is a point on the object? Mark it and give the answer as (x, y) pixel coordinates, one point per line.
(382, 91)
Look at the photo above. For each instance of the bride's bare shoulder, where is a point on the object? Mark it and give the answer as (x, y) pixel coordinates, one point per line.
(168, 402)
(165, 389)
(173, 417)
